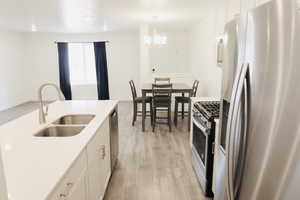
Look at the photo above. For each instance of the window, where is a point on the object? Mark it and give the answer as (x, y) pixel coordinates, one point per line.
(82, 64)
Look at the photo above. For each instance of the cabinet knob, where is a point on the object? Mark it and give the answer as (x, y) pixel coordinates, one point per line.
(102, 152)
(65, 194)
(62, 196)
(69, 186)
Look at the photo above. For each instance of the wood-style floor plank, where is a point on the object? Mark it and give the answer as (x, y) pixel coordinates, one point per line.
(153, 166)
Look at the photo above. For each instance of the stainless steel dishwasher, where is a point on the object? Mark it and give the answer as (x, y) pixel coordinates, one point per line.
(114, 138)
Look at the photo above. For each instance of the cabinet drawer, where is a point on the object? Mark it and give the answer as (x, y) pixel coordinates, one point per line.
(98, 153)
(70, 179)
(99, 143)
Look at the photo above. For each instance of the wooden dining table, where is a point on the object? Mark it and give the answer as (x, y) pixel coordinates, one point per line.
(177, 88)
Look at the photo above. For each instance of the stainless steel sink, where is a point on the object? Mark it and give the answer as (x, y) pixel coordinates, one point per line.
(74, 119)
(60, 131)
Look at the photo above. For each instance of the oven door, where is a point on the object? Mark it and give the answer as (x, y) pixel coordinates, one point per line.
(199, 153)
(200, 141)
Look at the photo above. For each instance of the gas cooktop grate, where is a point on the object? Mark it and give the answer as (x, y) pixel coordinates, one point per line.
(210, 108)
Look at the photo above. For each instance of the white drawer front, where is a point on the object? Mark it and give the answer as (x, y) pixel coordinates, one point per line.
(69, 181)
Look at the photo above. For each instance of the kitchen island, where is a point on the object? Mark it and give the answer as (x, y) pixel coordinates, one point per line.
(49, 168)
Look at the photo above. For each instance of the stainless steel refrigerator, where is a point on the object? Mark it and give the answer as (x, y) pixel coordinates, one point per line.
(259, 151)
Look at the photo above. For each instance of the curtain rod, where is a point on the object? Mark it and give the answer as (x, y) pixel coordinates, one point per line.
(81, 42)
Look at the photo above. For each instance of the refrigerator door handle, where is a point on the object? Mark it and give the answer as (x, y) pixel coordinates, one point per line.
(228, 131)
(231, 170)
(243, 143)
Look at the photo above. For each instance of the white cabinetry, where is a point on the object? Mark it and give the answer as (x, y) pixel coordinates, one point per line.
(236, 7)
(3, 190)
(233, 9)
(73, 186)
(260, 2)
(79, 191)
(88, 177)
(99, 169)
(246, 5)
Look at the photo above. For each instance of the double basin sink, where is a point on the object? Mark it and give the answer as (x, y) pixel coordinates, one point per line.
(66, 126)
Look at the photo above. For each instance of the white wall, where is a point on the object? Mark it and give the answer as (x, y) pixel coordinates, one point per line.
(203, 47)
(122, 57)
(128, 58)
(203, 58)
(28, 60)
(170, 60)
(14, 72)
(145, 74)
(173, 57)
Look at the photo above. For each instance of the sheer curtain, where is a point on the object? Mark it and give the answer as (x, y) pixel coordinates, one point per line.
(83, 71)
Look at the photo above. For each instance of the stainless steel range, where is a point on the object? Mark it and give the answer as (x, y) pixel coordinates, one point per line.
(204, 115)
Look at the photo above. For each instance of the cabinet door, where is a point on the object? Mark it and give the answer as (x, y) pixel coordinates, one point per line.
(99, 162)
(247, 5)
(72, 182)
(3, 190)
(233, 9)
(79, 190)
(260, 2)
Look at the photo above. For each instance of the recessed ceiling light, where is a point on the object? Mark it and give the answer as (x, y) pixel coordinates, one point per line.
(155, 17)
(7, 147)
(33, 28)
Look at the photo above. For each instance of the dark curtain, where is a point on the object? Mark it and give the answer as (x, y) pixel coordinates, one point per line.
(64, 73)
(101, 70)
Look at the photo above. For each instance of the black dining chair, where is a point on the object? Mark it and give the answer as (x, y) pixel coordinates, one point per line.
(139, 100)
(184, 100)
(161, 102)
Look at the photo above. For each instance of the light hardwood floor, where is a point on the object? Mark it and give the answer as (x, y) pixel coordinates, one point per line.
(152, 166)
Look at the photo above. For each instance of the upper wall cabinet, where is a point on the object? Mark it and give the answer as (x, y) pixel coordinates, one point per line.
(233, 9)
(259, 2)
(236, 7)
(247, 5)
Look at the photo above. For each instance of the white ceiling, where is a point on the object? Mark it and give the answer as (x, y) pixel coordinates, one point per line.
(98, 15)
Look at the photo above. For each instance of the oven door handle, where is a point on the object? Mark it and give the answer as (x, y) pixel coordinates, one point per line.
(234, 153)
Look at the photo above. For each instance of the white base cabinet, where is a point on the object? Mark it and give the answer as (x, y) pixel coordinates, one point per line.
(73, 183)
(88, 177)
(3, 189)
(98, 151)
(79, 191)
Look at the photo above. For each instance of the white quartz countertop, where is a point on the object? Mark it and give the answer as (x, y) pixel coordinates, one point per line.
(34, 165)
